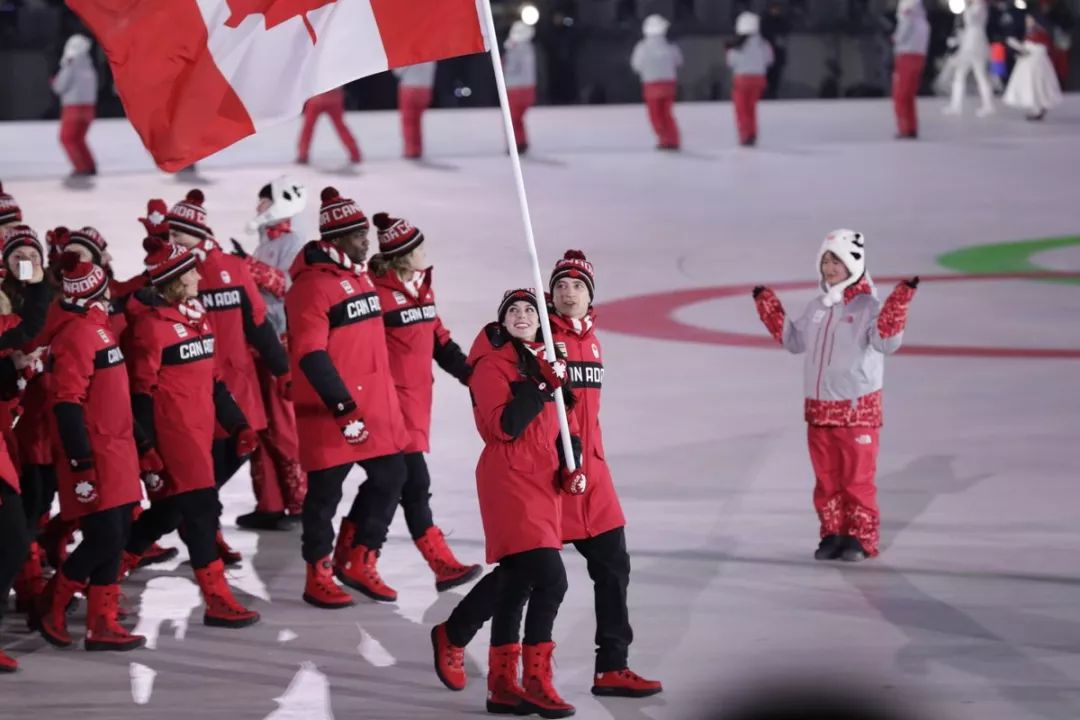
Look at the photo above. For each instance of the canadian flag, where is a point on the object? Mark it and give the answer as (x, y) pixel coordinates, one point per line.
(195, 76)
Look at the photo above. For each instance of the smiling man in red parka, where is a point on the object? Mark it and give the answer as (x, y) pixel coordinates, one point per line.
(347, 409)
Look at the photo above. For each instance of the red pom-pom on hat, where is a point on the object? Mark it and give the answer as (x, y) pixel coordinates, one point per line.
(166, 261)
(329, 194)
(189, 216)
(573, 264)
(339, 216)
(397, 236)
(82, 281)
(195, 196)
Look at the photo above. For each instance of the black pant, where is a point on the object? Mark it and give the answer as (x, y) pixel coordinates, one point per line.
(416, 495)
(14, 539)
(38, 483)
(609, 568)
(533, 581)
(372, 510)
(195, 513)
(97, 558)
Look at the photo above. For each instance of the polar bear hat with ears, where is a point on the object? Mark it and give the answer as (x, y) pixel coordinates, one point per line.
(849, 247)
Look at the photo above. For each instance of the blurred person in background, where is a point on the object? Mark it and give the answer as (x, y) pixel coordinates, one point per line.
(748, 56)
(76, 83)
(519, 66)
(1033, 85)
(332, 103)
(910, 43)
(972, 57)
(657, 61)
(414, 97)
(775, 28)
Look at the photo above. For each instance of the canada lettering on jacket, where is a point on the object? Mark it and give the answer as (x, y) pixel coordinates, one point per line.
(412, 315)
(362, 307)
(198, 348)
(585, 374)
(221, 299)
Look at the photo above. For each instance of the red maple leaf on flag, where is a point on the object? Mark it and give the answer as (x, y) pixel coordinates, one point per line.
(274, 12)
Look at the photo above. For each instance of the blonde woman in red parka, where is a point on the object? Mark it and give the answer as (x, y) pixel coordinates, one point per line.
(520, 480)
(414, 337)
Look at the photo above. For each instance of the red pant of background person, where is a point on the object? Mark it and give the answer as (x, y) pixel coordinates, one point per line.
(845, 496)
(74, 124)
(907, 76)
(660, 101)
(746, 90)
(276, 478)
(521, 99)
(333, 104)
(412, 102)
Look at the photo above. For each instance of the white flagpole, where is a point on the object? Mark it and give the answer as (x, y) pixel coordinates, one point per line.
(530, 240)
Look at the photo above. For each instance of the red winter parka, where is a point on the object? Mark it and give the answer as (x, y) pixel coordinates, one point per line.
(237, 312)
(598, 510)
(337, 348)
(175, 389)
(516, 476)
(87, 373)
(414, 337)
(32, 432)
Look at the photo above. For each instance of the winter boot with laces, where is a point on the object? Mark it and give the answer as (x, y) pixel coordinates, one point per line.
(448, 571)
(449, 659)
(624, 683)
(830, 548)
(540, 694)
(155, 554)
(103, 631)
(30, 581)
(360, 573)
(222, 609)
(320, 589)
(505, 695)
(227, 555)
(51, 610)
(344, 543)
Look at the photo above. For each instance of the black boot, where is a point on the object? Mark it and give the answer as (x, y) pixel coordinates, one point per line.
(257, 520)
(852, 550)
(830, 547)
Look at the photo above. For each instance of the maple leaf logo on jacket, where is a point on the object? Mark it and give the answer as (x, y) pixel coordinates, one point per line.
(85, 492)
(275, 12)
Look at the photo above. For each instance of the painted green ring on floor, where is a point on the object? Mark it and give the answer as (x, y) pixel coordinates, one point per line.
(1009, 257)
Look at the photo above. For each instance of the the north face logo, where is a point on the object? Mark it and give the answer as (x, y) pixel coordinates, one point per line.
(864, 440)
(275, 12)
(225, 277)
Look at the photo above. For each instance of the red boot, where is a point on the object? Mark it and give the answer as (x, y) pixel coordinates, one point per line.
(103, 632)
(156, 554)
(449, 659)
(505, 694)
(30, 581)
(128, 563)
(344, 543)
(227, 555)
(540, 694)
(448, 571)
(321, 590)
(55, 539)
(624, 683)
(360, 573)
(222, 609)
(7, 663)
(52, 608)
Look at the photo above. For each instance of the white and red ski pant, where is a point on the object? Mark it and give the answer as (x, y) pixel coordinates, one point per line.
(845, 494)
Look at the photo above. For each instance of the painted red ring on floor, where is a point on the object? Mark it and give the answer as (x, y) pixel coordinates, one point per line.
(653, 316)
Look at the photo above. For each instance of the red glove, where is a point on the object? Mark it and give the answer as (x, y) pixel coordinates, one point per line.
(573, 482)
(352, 427)
(151, 462)
(552, 375)
(246, 441)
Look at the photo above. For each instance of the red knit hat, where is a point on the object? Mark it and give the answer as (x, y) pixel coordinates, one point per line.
(9, 209)
(166, 261)
(513, 296)
(189, 216)
(339, 216)
(90, 239)
(83, 282)
(396, 236)
(573, 265)
(56, 240)
(18, 236)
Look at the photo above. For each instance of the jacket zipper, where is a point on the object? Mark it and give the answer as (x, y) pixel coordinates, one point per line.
(821, 360)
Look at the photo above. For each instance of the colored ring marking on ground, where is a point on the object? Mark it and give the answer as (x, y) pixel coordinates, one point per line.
(1010, 257)
(653, 316)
